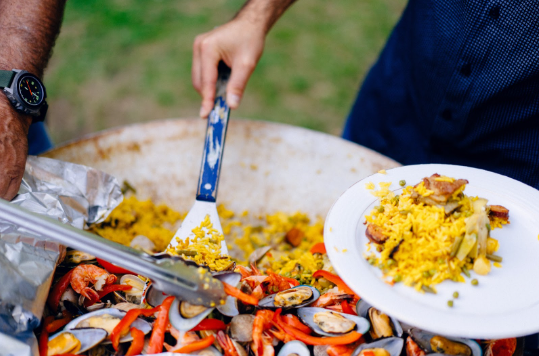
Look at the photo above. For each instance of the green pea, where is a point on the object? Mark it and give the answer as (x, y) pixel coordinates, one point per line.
(426, 274)
(402, 183)
(475, 282)
(450, 303)
(432, 272)
(381, 209)
(397, 278)
(455, 295)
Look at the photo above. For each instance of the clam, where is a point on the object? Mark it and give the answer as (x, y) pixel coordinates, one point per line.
(76, 257)
(107, 319)
(185, 316)
(258, 254)
(241, 327)
(75, 341)
(134, 295)
(291, 298)
(433, 343)
(382, 324)
(391, 346)
(209, 351)
(330, 323)
(294, 348)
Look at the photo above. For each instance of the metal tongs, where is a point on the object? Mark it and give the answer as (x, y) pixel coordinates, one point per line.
(170, 276)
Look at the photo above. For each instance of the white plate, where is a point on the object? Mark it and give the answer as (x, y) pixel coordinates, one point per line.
(506, 301)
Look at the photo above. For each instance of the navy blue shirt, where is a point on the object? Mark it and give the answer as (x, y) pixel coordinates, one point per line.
(458, 83)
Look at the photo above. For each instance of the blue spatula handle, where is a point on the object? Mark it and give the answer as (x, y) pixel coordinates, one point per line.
(215, 140)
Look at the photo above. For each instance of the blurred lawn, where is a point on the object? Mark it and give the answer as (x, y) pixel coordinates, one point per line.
(124, 61)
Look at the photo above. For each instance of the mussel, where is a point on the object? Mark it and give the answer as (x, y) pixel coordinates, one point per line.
(107, 319)
(330, 323)
(382, 324)
(75, 341)
(291, 298)
(391, 346)
(294, 348)
(433, 343)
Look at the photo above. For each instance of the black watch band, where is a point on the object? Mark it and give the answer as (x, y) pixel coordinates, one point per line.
(6, 77)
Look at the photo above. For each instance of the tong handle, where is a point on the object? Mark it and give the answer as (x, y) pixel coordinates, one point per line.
(210, 168)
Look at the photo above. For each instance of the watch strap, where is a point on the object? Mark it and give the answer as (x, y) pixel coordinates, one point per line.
(6, 77)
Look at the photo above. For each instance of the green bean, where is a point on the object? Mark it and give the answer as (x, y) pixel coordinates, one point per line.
(465, 271)
(428, 289)
(495, 258)
(450, 303)
(402, 183)
(475, 282)
(455, 295)
(456, 245)
(187, 253)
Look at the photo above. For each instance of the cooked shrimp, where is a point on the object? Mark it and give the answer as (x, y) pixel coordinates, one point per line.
(262, 322)
(226, 343)
(412, 348)
(331, 298)
(83, 275)
(501, 347)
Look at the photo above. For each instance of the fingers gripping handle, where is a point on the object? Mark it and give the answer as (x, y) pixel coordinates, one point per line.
(215, 140)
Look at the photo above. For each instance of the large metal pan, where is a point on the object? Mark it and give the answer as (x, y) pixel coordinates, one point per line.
(267, 167)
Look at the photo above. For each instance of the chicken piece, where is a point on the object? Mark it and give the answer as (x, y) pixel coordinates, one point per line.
(499, 212)
(442, 191)
(375, 234)
(294, 236)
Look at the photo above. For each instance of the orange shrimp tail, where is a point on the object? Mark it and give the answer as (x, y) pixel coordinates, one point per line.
(90, 294)
(111, 279)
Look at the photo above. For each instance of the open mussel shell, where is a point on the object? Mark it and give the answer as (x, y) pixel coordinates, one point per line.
(363, 308)
(101, 320)
(88, 338)
(307, 316)
(269, 301)
(424, 340)
(294, 348)
(230, 308)
(184, 316)
(393, 345)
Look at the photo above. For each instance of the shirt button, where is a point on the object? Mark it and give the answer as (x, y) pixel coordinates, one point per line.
(466, 70)
(446, 115)
(494, 12)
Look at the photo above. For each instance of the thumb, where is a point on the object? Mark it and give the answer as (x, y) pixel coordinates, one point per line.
(237, 83)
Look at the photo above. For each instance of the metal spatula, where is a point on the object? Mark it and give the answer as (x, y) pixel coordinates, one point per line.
(211, 166)
(170, 276)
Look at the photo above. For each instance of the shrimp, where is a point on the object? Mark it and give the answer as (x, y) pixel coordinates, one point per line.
(412, 348)
(501, 347)
(226, 343)
(331, 298)
(83, 275)
(262, 322)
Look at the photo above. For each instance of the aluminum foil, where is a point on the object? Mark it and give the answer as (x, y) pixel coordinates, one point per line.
(73, 194)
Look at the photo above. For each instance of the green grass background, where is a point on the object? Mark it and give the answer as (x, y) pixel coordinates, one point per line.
(119, 62)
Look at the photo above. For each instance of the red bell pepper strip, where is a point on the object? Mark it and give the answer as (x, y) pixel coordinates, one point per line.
(113, 268)
(59, 288)
(294, 321)
(333, 278)
(347, 309)
(55, 325)
(368, 353)
(137, 344)
(196, 346)
(44, 337)
(319, 248)
(123, 326)
(235, 292)
(343, 350)
(210, 324)
(313, 340)
(159, 328)
(106, 290)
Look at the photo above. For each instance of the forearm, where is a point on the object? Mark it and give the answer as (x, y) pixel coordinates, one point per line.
(28, 30)
(263, 12)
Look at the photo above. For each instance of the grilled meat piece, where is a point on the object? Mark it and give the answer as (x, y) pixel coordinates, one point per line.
(499, 212)
(375, 234)
(442, 190)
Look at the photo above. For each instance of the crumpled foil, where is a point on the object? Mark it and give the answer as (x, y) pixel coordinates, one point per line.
(73, 194)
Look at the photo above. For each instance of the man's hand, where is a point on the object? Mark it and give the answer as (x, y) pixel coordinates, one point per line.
(13, 148)
(239, 43)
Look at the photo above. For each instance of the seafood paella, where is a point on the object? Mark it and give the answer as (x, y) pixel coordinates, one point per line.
(284, 298)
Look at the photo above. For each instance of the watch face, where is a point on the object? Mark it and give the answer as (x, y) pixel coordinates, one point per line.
(31, 90)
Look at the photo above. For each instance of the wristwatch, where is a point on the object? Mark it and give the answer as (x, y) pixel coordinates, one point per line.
(25, 92)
